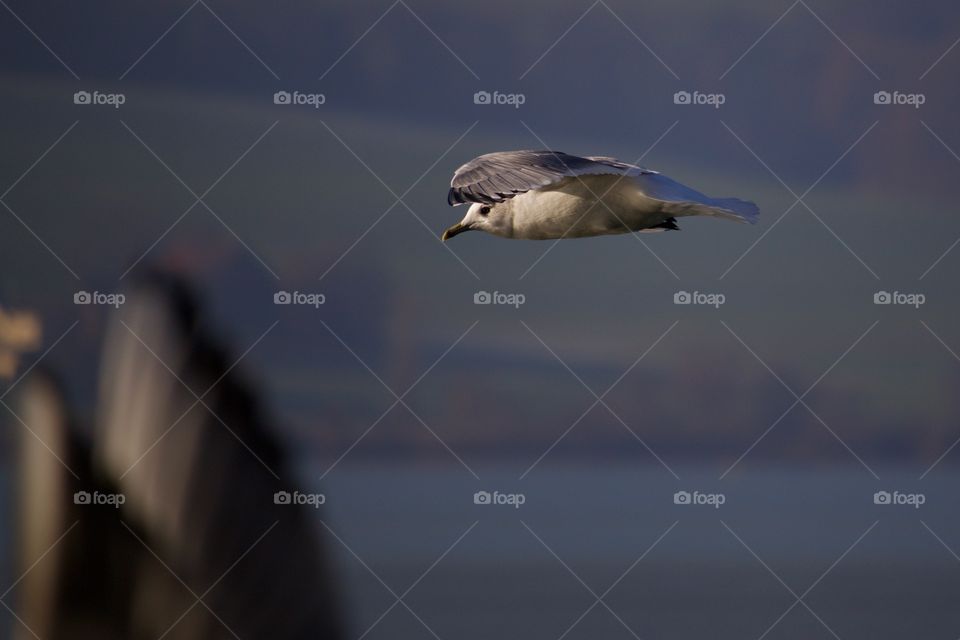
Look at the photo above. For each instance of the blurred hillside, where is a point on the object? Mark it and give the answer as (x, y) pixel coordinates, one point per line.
(801, 90)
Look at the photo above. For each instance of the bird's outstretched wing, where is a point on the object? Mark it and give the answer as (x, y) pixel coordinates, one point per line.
(495, 177)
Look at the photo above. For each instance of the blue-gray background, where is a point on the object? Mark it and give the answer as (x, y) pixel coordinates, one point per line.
(308, 203)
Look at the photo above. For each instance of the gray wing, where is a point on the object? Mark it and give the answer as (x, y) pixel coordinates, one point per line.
(495, 177)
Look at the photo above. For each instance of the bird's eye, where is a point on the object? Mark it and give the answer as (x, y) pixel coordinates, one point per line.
(484, 210)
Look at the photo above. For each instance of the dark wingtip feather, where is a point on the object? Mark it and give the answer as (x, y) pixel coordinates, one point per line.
(460, 196)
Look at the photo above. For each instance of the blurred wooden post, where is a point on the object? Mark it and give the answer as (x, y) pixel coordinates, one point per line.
(197, 480)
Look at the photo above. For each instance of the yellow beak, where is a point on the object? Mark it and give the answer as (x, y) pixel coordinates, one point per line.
(454, 230)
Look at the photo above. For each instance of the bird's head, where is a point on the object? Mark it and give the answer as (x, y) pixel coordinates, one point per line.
(492, 218)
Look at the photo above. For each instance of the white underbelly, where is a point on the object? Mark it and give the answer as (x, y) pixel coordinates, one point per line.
(572, 209)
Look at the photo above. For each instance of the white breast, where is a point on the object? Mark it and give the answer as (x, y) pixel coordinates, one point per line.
(571, 208)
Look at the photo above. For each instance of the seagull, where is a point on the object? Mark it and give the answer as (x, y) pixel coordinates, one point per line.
(545, 195)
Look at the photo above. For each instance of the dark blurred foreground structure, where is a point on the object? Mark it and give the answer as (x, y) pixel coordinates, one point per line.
(199, 547)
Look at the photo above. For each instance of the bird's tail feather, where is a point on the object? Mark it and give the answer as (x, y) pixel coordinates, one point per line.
(680, 200)
(726, 208)
(735, 209)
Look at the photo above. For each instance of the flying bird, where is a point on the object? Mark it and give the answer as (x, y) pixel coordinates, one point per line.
(544, 195)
